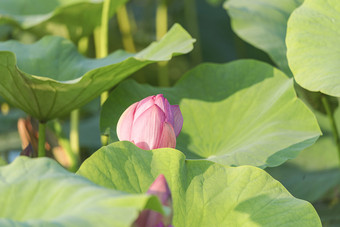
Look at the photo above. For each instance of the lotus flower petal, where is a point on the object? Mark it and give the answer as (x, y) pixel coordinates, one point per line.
(143, 105)
(168, 137)
(147, 129)
(125, 123)
(178, 119)
(151, 123)
(166, 107)
(149, 218)
(161, 189)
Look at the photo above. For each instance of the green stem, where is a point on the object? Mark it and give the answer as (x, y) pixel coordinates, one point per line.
(103, 138)
(102, 47)
(41, 142)
(101, 36)
(192, 24)
(74, 118)
(96, 36)
(163, 76)
(74, 132)
(161, 29)
(99, 54)
(4, 108)
(125, 29)
(104, 30)
(161, 19)
(333, 123)
(83, 45)
(74, 159)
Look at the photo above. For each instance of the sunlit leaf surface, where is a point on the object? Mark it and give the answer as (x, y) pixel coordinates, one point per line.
(40, 192)
(204, 193)
(313, 46)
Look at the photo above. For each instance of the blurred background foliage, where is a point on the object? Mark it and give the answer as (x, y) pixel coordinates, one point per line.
(313, 176)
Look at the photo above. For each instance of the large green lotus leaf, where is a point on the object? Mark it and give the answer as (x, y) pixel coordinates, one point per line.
(263, 24)
(70, 18)
(313, 47)
(316, 170)
(204, 193)
(313, 173)
(40, 192)
(51, 78)
(241, 113)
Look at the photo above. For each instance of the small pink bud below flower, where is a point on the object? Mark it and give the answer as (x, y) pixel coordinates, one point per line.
(151, 123)
(149, 218)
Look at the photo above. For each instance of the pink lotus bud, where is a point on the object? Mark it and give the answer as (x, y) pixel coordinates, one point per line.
(149, 218)
(151, 123)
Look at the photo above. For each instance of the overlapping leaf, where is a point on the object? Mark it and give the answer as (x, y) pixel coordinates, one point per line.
(241, 113)
(263, 24)
(316, 170)
(204, 193)
(41, 193)
(51, 78)
(313, 46)
(313, 173)
(70, 18)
